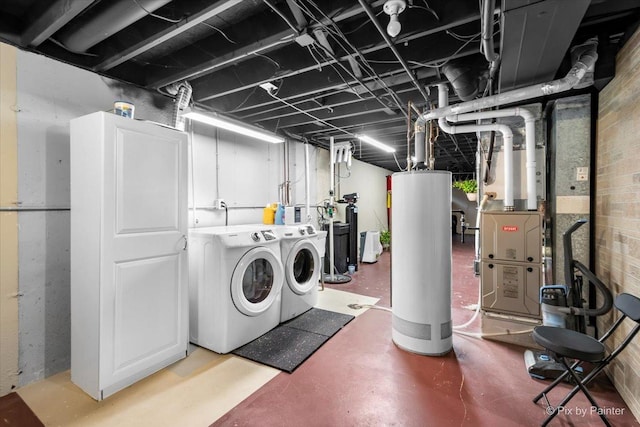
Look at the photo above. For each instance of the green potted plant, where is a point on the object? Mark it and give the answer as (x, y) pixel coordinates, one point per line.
(385, 239)
(469, 186)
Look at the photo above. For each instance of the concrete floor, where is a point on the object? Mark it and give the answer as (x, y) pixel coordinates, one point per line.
(358, 378)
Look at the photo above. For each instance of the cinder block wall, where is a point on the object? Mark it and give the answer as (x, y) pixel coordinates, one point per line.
(617, 239)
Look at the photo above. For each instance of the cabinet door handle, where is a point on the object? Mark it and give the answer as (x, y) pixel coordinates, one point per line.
(186, 243)
(530, 270)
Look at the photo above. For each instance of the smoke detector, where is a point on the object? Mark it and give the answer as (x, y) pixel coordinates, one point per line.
(393, 8)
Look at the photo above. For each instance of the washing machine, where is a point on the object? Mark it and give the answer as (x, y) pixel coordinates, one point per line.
(302, 269)
(235, 285)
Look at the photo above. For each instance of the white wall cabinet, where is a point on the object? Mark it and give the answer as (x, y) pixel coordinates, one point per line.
(129, 275)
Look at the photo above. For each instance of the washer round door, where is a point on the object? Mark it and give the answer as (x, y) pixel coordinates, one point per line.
(257, 281)
(301, 268)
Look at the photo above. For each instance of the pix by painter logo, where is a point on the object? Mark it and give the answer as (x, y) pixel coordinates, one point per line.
(581, 412)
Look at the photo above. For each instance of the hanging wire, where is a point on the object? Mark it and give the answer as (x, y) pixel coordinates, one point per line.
(398, 163)
(59, 43)
(425, 7)
(309, 114)
(461, 37)
(282, 15)
(331, 64)
(314, 57)
(220, 31)
(246, 99)
(164, 18)
(334, 31)
(367, 21)
(268, 58)
(154, 64)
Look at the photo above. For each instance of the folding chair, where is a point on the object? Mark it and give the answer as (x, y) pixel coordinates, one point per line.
(566, 344)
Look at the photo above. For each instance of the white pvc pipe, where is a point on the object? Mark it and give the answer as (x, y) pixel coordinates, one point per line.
(530, 146)
(331, 201)
(488, 10)
(507, 137)
(530, 142)
(572, 78)
(307, 183)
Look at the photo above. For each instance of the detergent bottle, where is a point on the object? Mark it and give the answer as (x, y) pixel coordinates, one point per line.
(280, 215)
(269, 213)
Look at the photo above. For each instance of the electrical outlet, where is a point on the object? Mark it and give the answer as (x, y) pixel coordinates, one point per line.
(582, 174)
(218, 204)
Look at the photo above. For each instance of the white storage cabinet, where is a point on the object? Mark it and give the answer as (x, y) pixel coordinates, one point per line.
(129, 265)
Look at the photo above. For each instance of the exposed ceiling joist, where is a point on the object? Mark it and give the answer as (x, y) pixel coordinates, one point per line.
(57, 15)
(335, 72)
(168, 34)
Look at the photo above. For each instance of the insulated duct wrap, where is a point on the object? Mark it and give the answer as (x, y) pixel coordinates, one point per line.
(104, 20)
(463, 78)
(421, 259)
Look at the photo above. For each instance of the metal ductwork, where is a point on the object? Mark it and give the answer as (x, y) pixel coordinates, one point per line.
(583, 64)
(182, 92)
(535, 36)
(464, 79)
(104, 20)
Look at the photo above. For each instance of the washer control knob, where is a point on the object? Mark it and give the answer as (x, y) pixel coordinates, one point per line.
(255, 237)
(301, 231)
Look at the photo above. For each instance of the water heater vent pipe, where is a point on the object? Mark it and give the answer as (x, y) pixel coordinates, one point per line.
(573, 77)
(530, 142)
(507, 137)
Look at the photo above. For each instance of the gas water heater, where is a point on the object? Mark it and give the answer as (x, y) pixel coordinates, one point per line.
(421, 261)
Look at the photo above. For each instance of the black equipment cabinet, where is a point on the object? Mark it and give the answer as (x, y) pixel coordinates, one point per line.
(340, 247)
(351, 214)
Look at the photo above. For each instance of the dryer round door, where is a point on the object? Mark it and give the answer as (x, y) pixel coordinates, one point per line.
(301, 268)
(257, 281)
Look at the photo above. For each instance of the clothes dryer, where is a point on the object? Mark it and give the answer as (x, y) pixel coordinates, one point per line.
(235, 285)
(302, 269)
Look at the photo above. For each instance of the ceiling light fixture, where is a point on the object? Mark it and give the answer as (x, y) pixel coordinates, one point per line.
(393, 8)
(377, 144)
(213, 119)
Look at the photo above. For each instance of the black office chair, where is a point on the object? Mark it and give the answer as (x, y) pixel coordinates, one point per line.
(566, 344)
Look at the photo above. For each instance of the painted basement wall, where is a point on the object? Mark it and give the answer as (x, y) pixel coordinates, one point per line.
(368, 181)
(51, 93)
(8, 222)
(617, 215)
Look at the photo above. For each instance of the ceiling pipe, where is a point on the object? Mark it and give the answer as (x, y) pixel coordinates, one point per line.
(573, 77)
(463, 79)
(114, 16)
(530, 142)
(488, 10)
(387, 40)
(507, 137)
